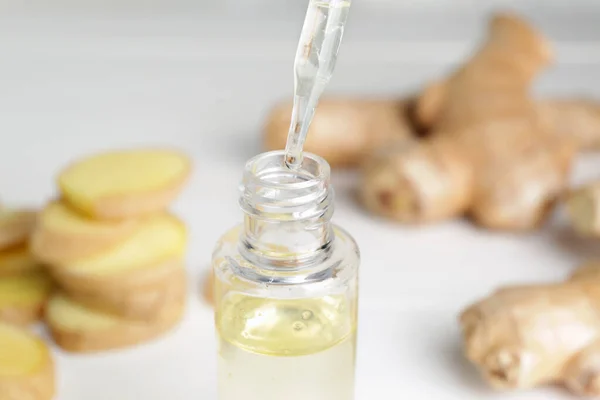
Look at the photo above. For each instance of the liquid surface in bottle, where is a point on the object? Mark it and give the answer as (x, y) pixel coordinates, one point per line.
(292, 349)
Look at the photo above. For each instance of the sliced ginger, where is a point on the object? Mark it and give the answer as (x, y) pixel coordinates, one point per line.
(525, 336)
(63, 235)
(80, 329)
(23, 297)
(344, 131)
(17, 260)
(15, 226)
(125, 184)
(133, 276)
(26, 366)
(159, 238)
(133, 296)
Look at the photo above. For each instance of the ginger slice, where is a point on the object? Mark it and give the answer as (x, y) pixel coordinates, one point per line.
(132, 295)
(17, 260)
(80, 329)
(344, 131)
(15, 226)
(159, 238)
(125, 184)
(583, 208)
(26, 366)
(23, 297)
(526, 336)
(63, 235)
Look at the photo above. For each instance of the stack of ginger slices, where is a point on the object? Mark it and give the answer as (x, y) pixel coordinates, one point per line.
(103, 265)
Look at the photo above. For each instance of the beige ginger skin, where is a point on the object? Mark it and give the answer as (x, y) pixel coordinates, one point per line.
(497, 163)
(583, 209)
(574, 119)
(527, 336)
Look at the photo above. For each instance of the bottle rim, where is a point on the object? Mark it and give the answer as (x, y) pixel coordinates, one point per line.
(314, 170)
(270, 188)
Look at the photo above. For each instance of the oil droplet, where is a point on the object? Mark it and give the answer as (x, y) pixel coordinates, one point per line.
(298, 326)
(307, 315)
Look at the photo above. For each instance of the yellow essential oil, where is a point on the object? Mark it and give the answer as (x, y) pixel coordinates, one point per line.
(303, 348)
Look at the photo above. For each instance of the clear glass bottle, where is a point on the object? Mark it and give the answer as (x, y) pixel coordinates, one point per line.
(286, 289)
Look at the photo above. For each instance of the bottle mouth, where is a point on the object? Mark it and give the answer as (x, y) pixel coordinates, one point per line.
(270, 187)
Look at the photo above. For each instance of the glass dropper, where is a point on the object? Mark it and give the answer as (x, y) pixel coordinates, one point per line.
(314, 64)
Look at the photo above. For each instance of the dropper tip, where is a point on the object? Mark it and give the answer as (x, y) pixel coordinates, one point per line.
(293, 162)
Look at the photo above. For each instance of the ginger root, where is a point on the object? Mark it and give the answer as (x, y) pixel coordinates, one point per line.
(583, 208)
(494, 83)
(402, 183)
(429, 105)
(15, 226)
(527, 336)
(575, 119)
(484, 124)
(519, 189)
(124, 184)
(63, 236)
(26, 366)
(344, 131)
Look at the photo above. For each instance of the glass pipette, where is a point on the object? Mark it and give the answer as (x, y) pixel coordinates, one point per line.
(313, 67)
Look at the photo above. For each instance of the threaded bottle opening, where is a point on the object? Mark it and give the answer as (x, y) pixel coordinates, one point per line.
(272, 190)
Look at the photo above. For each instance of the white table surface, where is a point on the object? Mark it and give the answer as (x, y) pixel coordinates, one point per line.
(79, 80)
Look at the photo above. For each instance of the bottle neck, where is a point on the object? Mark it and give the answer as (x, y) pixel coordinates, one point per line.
(287, 221)
(287, 243)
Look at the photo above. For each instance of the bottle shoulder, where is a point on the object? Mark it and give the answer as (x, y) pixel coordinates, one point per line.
(337, 270)
(227, 244)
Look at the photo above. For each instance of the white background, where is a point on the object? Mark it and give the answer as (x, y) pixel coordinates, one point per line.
(77, 79)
